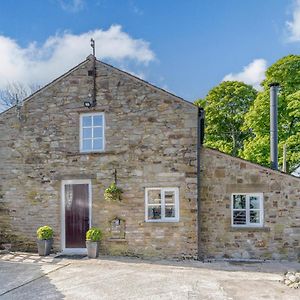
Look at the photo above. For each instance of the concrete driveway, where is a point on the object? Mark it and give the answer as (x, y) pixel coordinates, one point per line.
(128, 278)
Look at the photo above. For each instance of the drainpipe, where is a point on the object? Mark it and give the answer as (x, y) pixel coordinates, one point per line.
(274, 124)
(94, 81)
(200, 138)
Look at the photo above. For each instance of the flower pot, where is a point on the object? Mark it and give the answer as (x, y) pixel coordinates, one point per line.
(92, 249)
(44, 247)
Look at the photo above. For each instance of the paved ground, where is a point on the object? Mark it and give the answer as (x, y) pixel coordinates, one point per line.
(26, 276)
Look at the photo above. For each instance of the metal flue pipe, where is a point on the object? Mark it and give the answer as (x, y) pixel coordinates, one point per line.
(274, 124)
(200, 138)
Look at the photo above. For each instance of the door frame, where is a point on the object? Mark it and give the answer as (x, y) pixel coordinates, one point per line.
(63, 216)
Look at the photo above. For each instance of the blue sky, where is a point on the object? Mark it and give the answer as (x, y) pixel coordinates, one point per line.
(186, 46)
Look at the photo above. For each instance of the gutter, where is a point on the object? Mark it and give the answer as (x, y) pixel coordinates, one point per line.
(200, 138)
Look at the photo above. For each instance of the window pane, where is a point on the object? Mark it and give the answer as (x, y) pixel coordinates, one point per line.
(87, 145)
(254, 217)
(68, 196)
(169, 197)
(239, 201)
(170, 211)
(154, 197)
(87, 121)
(254, 202)
(154, 212)
(87, 133)
(98, 144)
(98, 120)
(97, 131)
(239, 217)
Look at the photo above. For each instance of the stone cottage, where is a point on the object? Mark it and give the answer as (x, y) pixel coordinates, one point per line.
(96, 125)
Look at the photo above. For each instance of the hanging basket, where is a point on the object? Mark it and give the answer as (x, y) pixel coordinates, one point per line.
(113, 193)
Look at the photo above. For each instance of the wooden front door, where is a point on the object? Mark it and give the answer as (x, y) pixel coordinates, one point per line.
(77, 213)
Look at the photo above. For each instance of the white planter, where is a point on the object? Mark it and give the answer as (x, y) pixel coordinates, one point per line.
(92, 249)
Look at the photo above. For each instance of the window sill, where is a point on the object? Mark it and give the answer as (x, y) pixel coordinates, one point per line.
(250, 229)
(161, 221)
(91, 153)
(118, 240)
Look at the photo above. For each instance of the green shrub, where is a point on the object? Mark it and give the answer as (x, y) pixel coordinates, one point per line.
(45, 233)
(94, 234)
(112, 193)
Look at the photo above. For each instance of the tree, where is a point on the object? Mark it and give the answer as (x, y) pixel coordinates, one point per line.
(16, 92)
(225, 107)
(286, 71)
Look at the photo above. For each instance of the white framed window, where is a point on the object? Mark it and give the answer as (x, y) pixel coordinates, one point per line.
(92, 137)
(247, 210)
(162, 204)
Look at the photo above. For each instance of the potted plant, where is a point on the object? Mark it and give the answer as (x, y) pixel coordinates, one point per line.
(93, 237)
(44, 240)
(113, 193)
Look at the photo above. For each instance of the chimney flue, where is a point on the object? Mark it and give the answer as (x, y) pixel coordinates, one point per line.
(274, 124)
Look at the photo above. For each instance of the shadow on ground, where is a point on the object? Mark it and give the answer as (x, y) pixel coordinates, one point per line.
(116, 278)
(21, 281)
(275, 267)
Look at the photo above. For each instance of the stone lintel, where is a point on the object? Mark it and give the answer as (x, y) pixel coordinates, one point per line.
(74, 176)
(247, 188)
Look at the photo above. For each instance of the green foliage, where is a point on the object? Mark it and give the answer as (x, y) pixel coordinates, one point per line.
(94, 234)
(44, 233)
(286, 71)
(225, 108)
(112, 193)
(200, 102)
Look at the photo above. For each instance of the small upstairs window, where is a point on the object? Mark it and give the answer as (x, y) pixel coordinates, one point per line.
(161, 204)
(92, 132)
(247, 210)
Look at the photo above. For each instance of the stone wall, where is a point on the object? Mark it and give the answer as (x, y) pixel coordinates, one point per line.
(150, 140)
(279, 238)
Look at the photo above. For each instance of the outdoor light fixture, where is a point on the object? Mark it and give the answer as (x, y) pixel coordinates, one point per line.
(87, 104)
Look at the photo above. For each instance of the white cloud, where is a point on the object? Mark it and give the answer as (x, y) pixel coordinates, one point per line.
(72, 6)
(135, 8)
(252, 74)
(40, 64)
(140, 74)
(293, 26)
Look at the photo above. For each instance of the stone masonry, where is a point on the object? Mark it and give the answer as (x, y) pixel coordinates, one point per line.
(279, 238)
(150, 141)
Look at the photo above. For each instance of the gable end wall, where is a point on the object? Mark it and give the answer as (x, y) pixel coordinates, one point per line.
(150, 141)
(279, 238)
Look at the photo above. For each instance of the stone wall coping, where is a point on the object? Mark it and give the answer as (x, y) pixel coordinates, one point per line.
(46, 86)
(148, 84)
(110, 67)
(264, 168)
